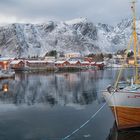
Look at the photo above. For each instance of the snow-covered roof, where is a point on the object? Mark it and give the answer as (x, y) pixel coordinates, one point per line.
(50, 61)
(117, 56)
(92, 63)
(37, 61)
(77, 53)
(84, 62)
(16, 62)
(99, 62)
(73, 62)
(4, 58)
(48, 58)
(60, 62)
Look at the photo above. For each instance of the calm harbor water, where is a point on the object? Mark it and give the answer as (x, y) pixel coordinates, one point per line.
(51, 106)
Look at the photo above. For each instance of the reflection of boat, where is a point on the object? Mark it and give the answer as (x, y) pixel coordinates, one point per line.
(123, 135)
(6, 74)
(125, 102)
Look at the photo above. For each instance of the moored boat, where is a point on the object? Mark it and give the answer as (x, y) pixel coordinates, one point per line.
(125, 104)
(125, 101)
(6, 74)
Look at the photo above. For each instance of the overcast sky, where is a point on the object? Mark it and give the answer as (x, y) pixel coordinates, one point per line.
(37, 11)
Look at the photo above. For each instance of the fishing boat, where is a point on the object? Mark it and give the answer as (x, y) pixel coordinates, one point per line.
(125, 101)
(7, 74)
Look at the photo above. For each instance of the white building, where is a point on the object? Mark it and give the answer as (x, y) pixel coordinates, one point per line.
(50, 59)
(72, 55)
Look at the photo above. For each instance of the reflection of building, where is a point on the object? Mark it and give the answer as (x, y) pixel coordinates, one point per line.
(63, 89)
(5, 87)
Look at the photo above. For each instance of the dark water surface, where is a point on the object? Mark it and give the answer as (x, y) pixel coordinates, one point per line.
(51, 106)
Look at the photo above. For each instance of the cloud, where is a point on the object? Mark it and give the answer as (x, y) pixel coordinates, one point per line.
(109, 11)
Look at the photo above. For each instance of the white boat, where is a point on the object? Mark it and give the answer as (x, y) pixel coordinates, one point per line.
(125, 101)
(6, 74)
(125, 104)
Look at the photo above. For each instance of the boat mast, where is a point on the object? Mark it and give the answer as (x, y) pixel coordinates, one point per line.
(133, 7)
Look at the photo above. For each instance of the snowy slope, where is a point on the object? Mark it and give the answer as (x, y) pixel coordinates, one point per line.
(116, 38)
(78, 35)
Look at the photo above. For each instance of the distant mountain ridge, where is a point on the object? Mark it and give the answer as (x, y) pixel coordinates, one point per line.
(78, 35)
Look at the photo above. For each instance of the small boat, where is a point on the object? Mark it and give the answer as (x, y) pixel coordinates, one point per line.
(124, 100)
(6, 74)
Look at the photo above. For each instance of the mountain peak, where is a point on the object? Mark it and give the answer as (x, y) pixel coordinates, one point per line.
(76, 21)
(77, 35)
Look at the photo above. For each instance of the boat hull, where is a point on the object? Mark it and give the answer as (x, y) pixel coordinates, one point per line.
(125, 107)
(126, 117)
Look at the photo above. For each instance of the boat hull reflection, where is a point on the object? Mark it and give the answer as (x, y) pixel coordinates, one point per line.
(127, 134)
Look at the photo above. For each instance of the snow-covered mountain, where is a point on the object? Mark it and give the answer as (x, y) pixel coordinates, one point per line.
(117, 37)
(78, 35)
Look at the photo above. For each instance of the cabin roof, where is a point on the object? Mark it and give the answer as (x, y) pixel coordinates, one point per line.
(16, 61)
(92, 63)
(84, 62)
(99, 62)
(73, 62)
(60, 62)
(37, 61)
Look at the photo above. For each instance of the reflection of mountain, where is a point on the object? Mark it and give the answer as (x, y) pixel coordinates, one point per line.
(64, 89)
(123, 135)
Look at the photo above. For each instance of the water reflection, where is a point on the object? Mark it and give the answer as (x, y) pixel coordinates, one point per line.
(124, 134)
(48, 106)
(63, 89)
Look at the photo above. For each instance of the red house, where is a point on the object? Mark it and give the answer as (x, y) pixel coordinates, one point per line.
(93, 64)
(85, 63)
(100, 65)
(62, 63)
(75, 63)
(36, 63)
(17, 64)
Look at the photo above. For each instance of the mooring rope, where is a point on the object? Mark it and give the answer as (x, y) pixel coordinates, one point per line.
(85, 123)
